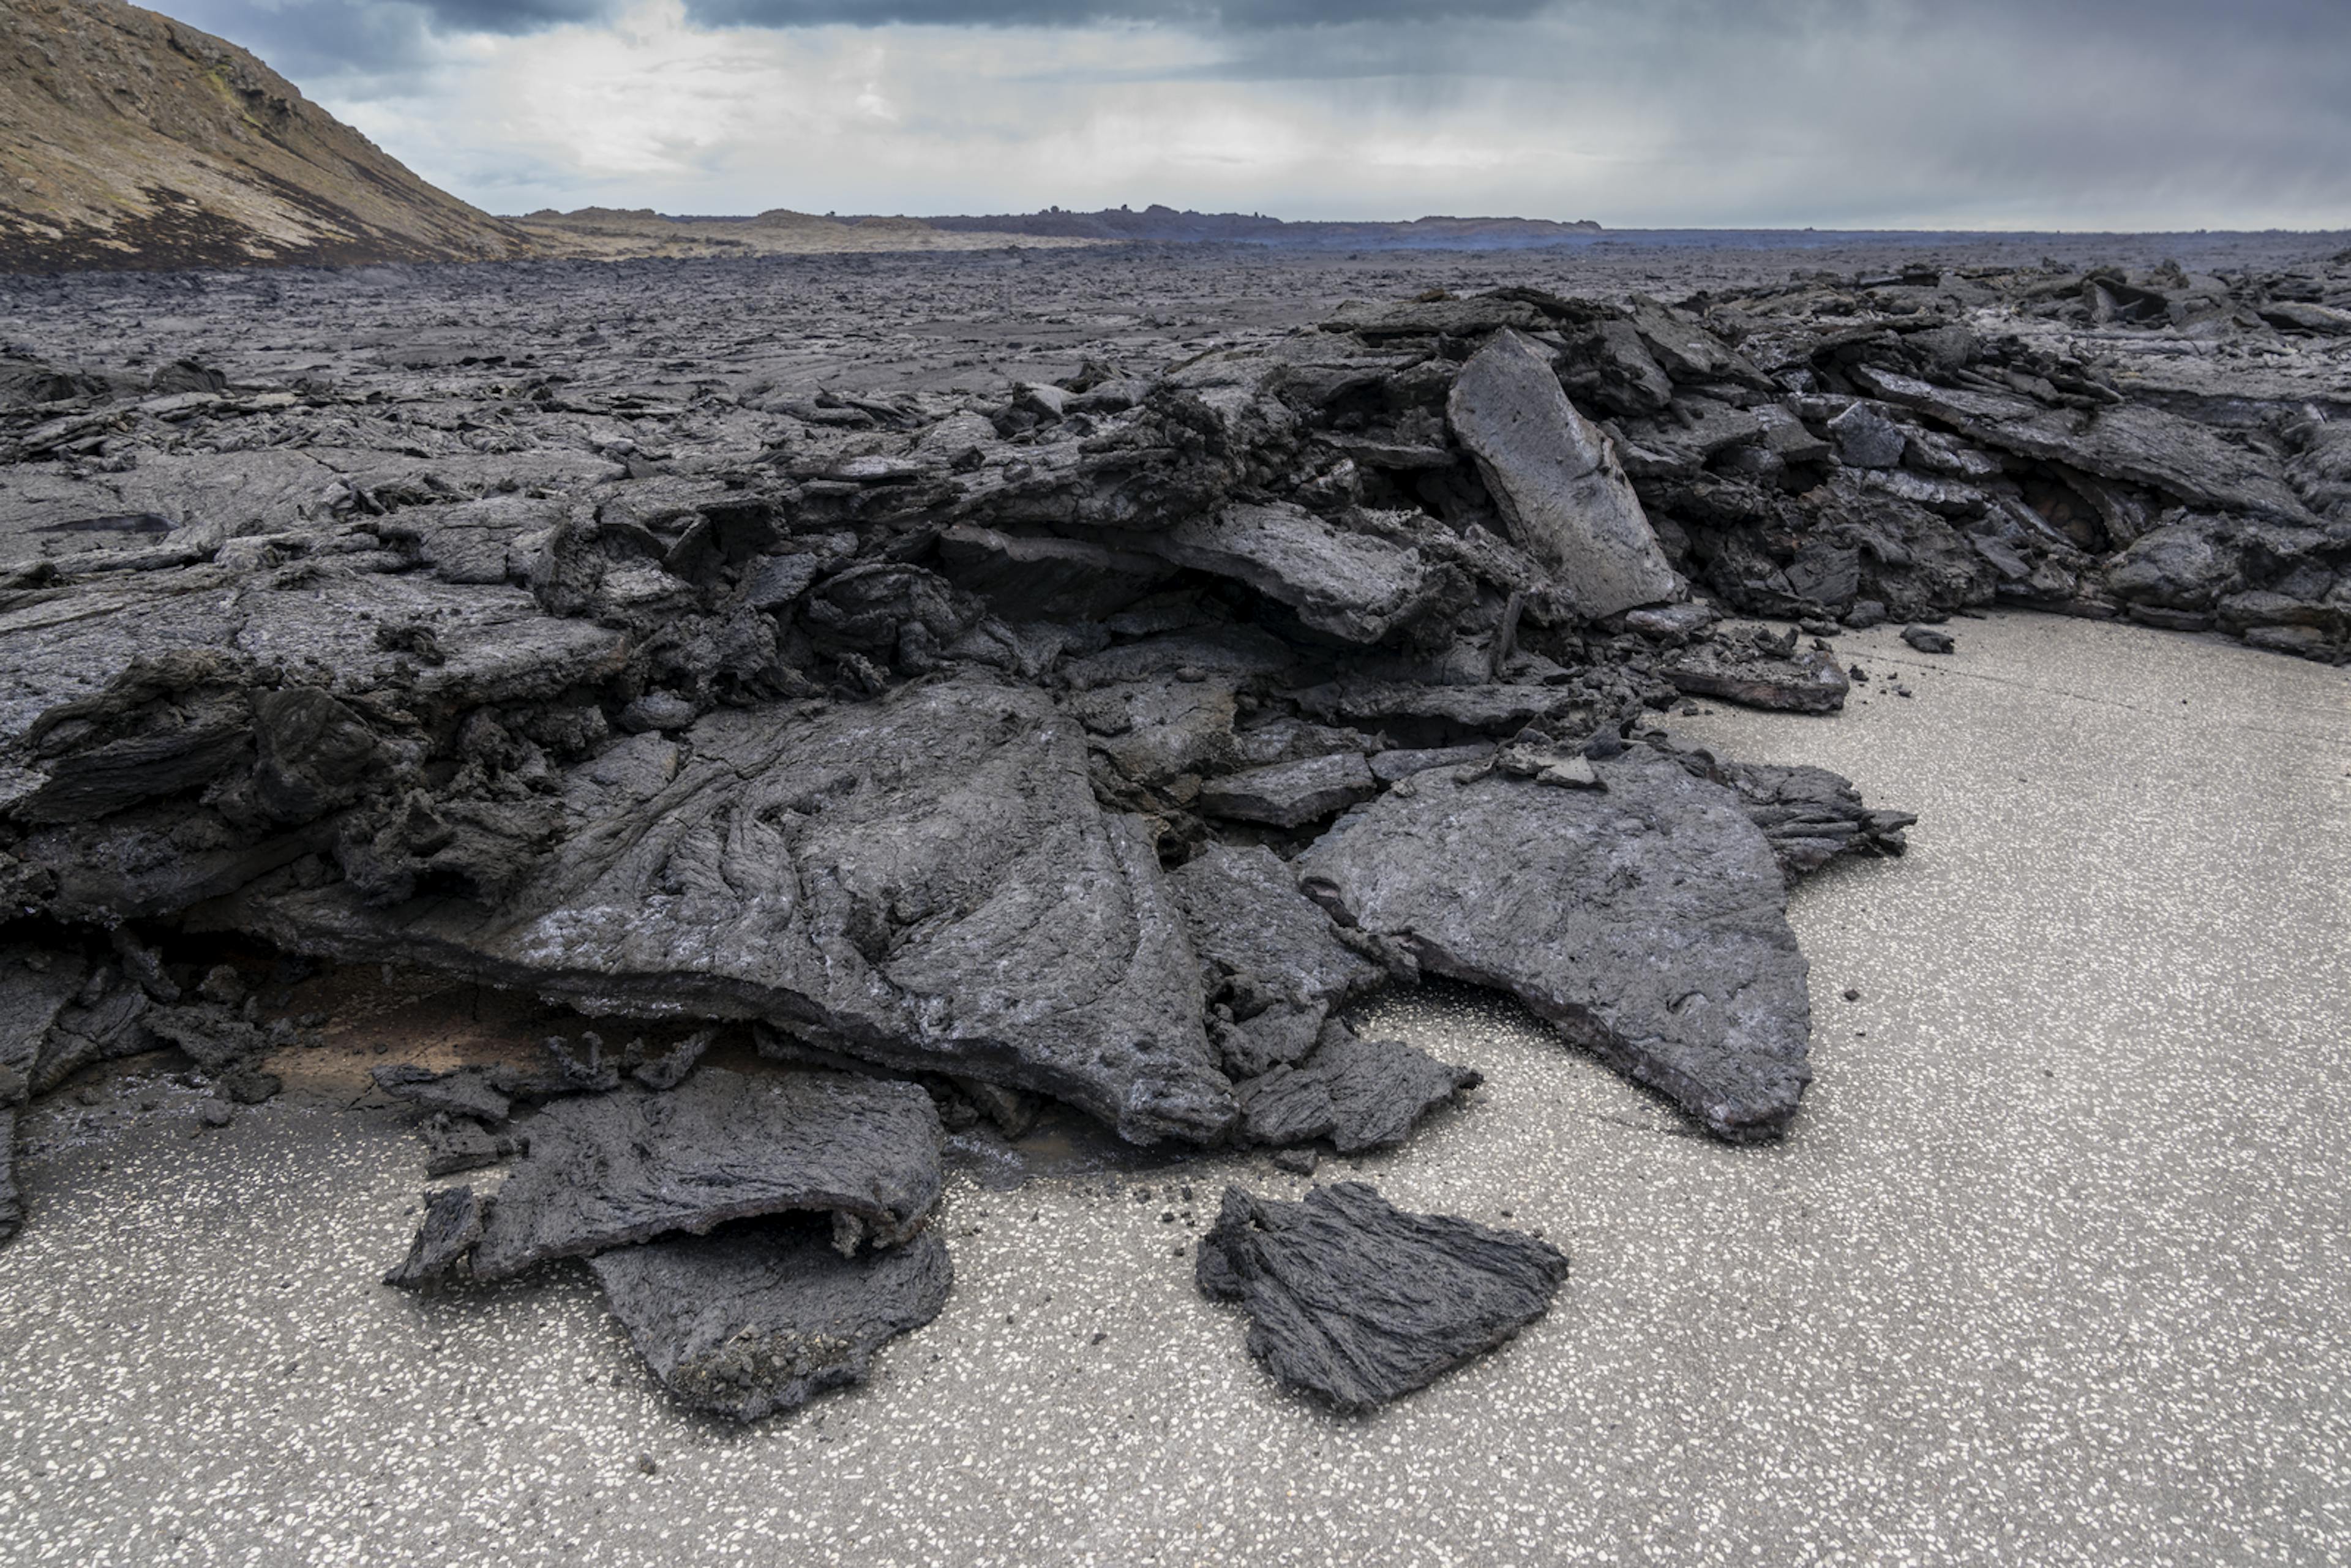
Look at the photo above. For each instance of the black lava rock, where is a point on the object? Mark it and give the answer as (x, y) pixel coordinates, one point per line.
(1648, 922)
(634, 1163)
(1927, 640)
(759, 1319)
(1360, 1303)
(451, 1225)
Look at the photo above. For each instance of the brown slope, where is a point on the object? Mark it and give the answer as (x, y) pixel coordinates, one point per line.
(130, 141)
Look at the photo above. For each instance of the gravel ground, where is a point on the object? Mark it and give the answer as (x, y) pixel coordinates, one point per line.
(2052, 1269)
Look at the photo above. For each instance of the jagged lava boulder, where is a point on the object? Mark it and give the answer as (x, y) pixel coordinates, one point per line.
(1556, 479)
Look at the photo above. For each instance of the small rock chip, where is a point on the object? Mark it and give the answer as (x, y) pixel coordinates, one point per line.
(452, 1224)
(1927, 640)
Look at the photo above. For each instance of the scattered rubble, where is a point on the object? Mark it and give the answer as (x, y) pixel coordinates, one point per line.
(1353, 1301)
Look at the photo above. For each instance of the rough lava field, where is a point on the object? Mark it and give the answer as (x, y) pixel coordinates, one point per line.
(760, 764)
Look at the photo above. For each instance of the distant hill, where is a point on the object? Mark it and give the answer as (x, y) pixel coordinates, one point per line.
(1166, 224)
(130, 141)
(612, 233)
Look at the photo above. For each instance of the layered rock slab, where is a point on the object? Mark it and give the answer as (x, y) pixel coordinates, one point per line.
(1269, 955)
(1291, 794)
(1359, 1094)
(1812, 815)
(1343, 582)
(1759, 674)
(1557, 481)
(925, 882)
(751, 1323)
(1646, 920)
(1358, 1303)
(11, 1202)
(607, 1170)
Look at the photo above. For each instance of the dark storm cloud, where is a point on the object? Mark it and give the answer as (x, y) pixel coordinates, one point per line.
(510, 16)
(369, 37)
(1239, 15)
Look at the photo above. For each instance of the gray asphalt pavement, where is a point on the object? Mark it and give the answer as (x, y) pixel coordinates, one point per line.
(2055, 1267)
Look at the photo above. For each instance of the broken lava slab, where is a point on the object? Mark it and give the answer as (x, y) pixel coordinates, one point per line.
(1359, 1302)
(761, 1318)
(925, 882)
(610, 1169)
(1648, 921)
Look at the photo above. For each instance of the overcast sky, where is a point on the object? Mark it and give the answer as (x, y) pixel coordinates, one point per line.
(2136, 114)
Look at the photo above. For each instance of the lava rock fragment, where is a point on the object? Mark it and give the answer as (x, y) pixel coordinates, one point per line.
(668, 1070)
(454, 1143)
(1292, 794)
(1647, 923)
(632, 1165)
(451, 1228)
(1761, 671)
(1812, 815)
(757, 1320)
(1557, 480)
(12, 1202)
(926, 880)
(1359, 1094)
(1356, 1302)
(469, 1091)
(1928, 640)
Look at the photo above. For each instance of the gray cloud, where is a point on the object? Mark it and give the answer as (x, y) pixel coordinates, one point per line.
(1203, 15)
(1695, 111)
